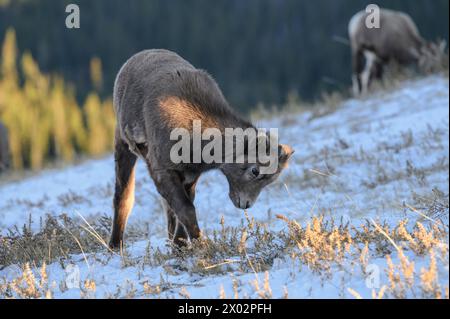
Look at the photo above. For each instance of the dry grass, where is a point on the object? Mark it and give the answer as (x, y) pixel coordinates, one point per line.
(56, 239)
(327, 103)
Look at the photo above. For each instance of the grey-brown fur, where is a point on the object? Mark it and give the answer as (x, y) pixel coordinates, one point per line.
(4, 148)
(156, 91)
(397, 39)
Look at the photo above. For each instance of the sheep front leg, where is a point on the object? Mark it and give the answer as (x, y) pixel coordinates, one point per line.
(169, 184)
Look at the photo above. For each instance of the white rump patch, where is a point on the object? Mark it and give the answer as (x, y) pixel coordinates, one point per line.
(365, 76)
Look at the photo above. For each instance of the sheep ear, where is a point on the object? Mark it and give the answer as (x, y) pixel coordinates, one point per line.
(284, 153)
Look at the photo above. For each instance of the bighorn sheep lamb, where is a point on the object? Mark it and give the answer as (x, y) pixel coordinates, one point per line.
(156, 92)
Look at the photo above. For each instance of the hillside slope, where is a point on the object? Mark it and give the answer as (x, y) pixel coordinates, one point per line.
(382, 162)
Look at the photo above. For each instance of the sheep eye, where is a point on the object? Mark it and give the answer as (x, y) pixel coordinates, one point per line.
(255, 171)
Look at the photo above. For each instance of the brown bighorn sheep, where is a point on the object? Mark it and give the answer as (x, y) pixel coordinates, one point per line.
(397, 39)
(155, 92)
(4, 148)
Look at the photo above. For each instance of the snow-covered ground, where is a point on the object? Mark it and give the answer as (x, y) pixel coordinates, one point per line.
(367, 160)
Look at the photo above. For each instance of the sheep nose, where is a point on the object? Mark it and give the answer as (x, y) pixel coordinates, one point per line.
(247, 204)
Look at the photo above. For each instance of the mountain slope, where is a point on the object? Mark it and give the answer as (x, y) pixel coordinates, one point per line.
(381, 161)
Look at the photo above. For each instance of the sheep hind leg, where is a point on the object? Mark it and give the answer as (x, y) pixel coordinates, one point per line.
(358, 67)
(125, 162)
(366, 75)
